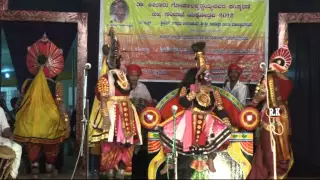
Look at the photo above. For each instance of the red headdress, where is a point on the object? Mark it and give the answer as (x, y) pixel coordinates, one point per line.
(134, 69)
(234, 66)
(281, 60)
(45, 53)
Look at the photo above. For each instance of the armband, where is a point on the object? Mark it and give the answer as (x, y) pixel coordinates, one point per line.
(59, 92)
(218, 100)
(105, 112)
(65, 117)
(103, 87)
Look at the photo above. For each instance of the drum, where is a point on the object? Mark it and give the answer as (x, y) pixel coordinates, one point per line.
(7, 156)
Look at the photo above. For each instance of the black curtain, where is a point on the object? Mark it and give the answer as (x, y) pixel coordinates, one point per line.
(304, 101)
(20, 35)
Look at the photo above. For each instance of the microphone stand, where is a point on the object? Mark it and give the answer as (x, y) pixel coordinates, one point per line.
(84, 121)
(85, 113)
(175, 154)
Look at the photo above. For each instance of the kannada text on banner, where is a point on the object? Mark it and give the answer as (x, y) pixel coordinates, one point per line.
(157, 35)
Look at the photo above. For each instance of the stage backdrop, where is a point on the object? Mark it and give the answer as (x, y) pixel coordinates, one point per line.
(157, 35)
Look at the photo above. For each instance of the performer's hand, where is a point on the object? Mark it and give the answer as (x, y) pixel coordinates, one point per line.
(234, 129)
(7, 133)
(136, 149)
(251, 104)
(11, 137)
(106, 123)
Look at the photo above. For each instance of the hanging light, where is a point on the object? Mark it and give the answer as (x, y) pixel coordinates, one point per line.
(7, 75)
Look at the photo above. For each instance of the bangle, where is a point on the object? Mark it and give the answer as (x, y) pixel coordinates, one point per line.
(105, 112)
(66, 117)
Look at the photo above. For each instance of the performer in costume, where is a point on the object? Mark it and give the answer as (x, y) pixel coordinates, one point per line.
(203, 127)
(278, 88)
(96, 117)
(41, 120)
(119, 129)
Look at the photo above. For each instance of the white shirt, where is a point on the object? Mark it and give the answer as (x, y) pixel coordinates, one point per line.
(141, 91)
(13, 145)
(3, 125)
(239, 91)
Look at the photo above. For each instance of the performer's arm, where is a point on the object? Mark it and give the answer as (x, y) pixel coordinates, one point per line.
(243, 94)
(24, 88)
(220, 111)
(61, 107)
(146, 93)
(260, 94)
(103, 93)
(186, 97)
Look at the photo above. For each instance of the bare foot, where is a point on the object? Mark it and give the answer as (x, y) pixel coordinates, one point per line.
(165, 169)
(212, 169)
(211, 166)
(55, 172)
(35, 176)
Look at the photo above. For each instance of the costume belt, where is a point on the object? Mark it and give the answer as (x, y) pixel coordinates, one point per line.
(198, 111)
(119, 98)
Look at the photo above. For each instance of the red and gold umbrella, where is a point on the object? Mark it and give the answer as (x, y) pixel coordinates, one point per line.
(45, 52)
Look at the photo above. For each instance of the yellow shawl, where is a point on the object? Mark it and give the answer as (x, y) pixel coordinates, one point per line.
(38, 119)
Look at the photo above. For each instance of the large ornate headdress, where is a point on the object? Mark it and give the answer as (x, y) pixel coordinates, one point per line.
(280, 60)
(112, 51)
(44, 53)
(198, 49)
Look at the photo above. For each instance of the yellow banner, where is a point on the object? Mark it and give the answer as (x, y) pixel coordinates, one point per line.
(157, 34)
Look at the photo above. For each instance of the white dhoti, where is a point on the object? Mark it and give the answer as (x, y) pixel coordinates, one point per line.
(18, 150)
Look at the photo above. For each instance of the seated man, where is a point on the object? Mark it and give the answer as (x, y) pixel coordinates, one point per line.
(141, 98)
(238, 89)
(6, 137)
(139, 93)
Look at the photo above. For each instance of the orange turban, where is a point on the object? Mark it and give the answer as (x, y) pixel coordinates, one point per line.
(134, 69)
(234, 66)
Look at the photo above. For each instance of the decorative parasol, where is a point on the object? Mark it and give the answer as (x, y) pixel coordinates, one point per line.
(45, 52)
